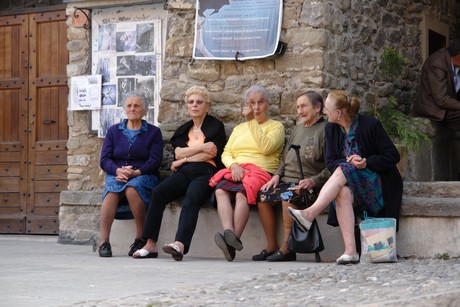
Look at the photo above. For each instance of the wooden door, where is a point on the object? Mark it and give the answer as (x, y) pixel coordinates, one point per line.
(40, 161)
(13, 122)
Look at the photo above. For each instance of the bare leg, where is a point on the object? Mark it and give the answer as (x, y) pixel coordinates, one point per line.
(346, 219)
(287, 222)
(107, 215)
(224, 209)
(328, 193)
(241, 215)
(267, 218)
(137, 206)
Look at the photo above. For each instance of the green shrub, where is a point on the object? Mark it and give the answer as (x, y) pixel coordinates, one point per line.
(408, 130)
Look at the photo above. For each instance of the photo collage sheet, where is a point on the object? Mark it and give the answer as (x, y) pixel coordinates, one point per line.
(128, 58)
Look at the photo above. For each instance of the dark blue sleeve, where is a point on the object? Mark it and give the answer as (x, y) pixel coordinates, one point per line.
(106, 161)
(155, 147)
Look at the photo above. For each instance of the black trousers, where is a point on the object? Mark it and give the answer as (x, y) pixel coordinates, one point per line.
(191, 182)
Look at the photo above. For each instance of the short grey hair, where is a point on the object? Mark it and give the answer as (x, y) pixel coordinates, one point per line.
(257, 89)
(144, 102)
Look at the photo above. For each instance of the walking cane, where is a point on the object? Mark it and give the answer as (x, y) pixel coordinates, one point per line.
(296, 149)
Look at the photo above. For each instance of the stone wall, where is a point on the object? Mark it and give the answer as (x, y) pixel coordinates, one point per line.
(330, 44)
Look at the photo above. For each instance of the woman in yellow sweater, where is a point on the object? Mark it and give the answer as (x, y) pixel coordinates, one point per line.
(251, 155)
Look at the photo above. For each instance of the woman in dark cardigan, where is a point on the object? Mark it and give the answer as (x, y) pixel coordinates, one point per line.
(130, 157)
(363, 161)
(198, 145)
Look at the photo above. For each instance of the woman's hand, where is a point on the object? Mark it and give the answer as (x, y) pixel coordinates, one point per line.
(304, 184)
(237, 172)
(210, 148)
(247, 112)
(176, 164)
(125, 173)
(357, 161)
(272, 183)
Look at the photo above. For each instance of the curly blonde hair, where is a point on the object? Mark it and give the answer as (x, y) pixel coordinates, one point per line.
(198, 90)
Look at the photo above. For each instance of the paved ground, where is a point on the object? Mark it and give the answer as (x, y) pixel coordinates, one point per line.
(36, 271)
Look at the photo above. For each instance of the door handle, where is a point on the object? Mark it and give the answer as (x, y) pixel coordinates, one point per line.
(48, 121)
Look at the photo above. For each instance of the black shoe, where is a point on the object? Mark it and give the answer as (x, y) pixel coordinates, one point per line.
(105, 250)
(138, 244)
(279, 256)
(232, 240)
(262, 256)
(229, 251)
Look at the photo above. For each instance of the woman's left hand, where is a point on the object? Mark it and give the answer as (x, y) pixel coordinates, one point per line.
(307, 184)
(176, 164)
(304, 184)
(357, 161)
(237, 172)
(125, 173)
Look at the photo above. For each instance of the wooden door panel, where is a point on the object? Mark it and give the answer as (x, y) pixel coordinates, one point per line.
(33, 121)
(9, 200)
(51, 112)
(42, 225)
(51, 158)
(12, 224)
(50, 172)
(47, 120)
(50, 186)
(45, 199)
(9, 169)
(13, 122)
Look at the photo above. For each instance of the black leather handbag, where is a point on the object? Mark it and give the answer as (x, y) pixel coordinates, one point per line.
(300, 241)
(308, 242)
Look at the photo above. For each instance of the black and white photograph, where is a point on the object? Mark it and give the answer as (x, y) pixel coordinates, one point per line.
(110, 117)
(126, 65)
(126, 41)
(107, 37)
(103, 68)
(146, 65)
(125, 85)
(146, 87)
(145, 37)
(109, 95)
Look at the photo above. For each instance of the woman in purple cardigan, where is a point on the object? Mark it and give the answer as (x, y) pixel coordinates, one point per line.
(130, 156)
(362, 159)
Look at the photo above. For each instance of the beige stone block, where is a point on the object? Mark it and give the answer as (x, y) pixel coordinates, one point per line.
(300, 62)
(179, 46)
(181, 4)
(167, 111)
(204, 71)
(301, 38)
(255, 67)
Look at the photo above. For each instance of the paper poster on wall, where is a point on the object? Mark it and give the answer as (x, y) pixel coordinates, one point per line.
(226, 29)
(85, 93)
(127, 54)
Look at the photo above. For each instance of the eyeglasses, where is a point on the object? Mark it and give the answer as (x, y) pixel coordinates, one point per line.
(198, 102)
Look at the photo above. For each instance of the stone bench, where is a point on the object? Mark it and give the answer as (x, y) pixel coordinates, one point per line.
(428, 225)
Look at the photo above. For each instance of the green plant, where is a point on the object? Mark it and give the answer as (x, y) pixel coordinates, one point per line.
(409, 131)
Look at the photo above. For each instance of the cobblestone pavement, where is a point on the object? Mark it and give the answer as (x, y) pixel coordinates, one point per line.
(406, 283)
(36, 271)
